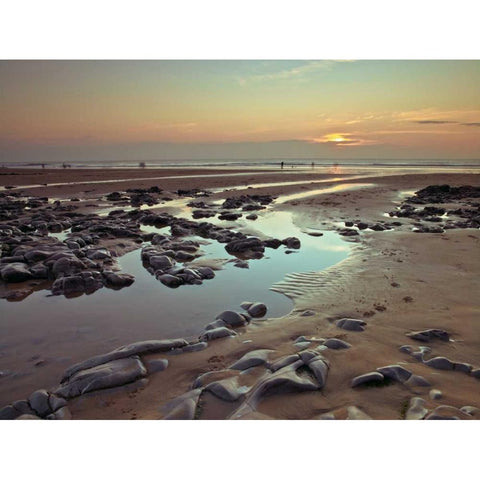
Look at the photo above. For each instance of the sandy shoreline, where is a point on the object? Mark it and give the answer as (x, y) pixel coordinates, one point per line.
(396, 281)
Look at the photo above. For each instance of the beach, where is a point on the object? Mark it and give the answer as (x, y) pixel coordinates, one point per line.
(404, 273)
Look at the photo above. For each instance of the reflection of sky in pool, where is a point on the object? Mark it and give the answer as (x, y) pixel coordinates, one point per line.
(77, 328)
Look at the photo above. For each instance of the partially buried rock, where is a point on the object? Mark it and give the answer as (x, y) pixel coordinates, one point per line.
(217, 333)
(108, 375)
(257, 310)
(416, 409)
(252, 359)
(170, 280)
(351, 324)
(370, 378)
(232, 319)
(395, 372)
(15, 272)
(336, 344)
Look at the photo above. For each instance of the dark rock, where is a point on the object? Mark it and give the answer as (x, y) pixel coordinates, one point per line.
(257, 310)
(351, 324)
(216, 333)
(15, 273)
(367, 378)
(108, 375)
(232, 319)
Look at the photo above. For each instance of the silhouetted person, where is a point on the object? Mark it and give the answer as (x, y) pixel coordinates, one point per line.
(313, 165)
(281, 165)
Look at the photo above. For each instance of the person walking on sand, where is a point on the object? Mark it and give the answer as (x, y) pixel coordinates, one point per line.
(313, 164)
(281, 165)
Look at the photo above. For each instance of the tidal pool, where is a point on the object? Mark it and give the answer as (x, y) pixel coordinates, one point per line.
(42, 335)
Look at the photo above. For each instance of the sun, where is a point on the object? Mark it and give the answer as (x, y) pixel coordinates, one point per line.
(335, 137)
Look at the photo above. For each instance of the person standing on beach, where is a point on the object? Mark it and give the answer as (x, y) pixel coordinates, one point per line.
(281, 165)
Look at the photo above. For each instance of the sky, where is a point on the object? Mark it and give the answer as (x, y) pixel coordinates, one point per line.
(148, 110)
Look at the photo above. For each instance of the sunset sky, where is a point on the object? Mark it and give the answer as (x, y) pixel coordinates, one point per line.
(144, 110)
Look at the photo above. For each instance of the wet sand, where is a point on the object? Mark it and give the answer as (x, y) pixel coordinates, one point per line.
(396, 281)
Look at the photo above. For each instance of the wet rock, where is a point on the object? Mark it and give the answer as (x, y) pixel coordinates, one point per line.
(416, 409)
(161, 262)
(283, 362)
(215, 324)
(183, 407)
(15, 272)
(354, 413)
(246, 305)
(336, 344)
(257, 310)
(227, 389)
(291, 242)
(156, 365)
(446, 412)
(252, 244)
(348, 232)
(170, 280)
(62, 414)
(241, 264)
(435, 394)
(38, 401)
(252, 359)
(232, 319)
(395, 372)
(367, 378)
(430, 334)
(475, 372)
(440, 363)
(28, 417)
(469, 410)
(206, 272)
(272, 243)
(84, 282)
(118, 280)
(8, 413)
(417, 381)
(351, 324)
(252, 216)
(138, 348)
(362, 225)
(108, 375)
(217, 333)
(462, 367)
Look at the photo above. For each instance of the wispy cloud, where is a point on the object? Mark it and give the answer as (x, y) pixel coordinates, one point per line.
(434, 122)
(299, 72)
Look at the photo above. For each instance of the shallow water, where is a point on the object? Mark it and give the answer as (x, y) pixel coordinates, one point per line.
(61, 331)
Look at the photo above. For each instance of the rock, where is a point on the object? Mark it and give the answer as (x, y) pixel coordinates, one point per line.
(241, 264)
(118, 280)
(302, 345)
(227, 389)
(170, 280)
(156, 365)
(282, 381)
(440, 363)
(15, 272)
(220, 332)
(367, 378)
(307, 313)
(319, 367)
(161, 262)
(246, 305)
(416, 409)
(417, 381)
(283, 362)
(395, 372)
(28, 417)
(291, 242)
(446, 412)
(354, 413)
(8, 413)
(351, 324)
(84, 282)
(67, 266)
(183, 407)
(108, 375)
(435, 394)
(462, 367)
(206, 272)
(215, 324)
(430, 334)
(232, 319)
(257, 310)
(469, 410)
(245, 245)
(194, 347)
(38, 400)
(62, 414)
(56, 402)
(252, 216)
(138, 348)
(252, 359)
(475, 372)
(336, 344)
